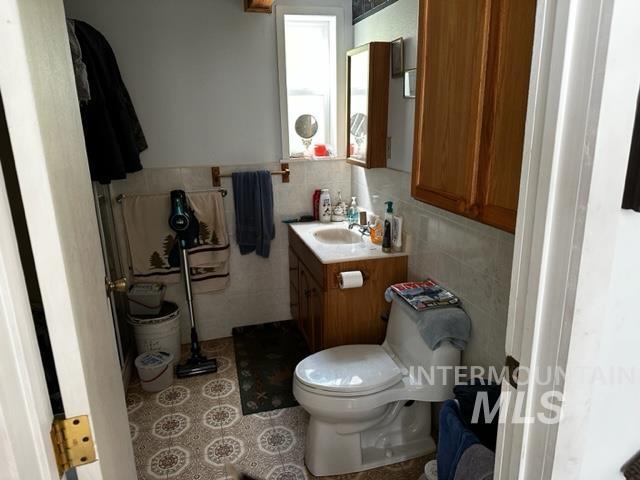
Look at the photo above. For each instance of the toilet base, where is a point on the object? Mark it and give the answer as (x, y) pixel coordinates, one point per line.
(407, 436)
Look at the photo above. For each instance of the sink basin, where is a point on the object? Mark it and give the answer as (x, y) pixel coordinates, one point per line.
(337, 236)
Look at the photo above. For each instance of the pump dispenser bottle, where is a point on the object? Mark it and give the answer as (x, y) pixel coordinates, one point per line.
(387, 239)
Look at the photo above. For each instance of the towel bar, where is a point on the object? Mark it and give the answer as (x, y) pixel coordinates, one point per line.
(216, 175)
(223, 191)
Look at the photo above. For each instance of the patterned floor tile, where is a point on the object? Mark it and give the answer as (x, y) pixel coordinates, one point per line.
(146, 445)
(171, 425)
(169, 462)
(142, 408)
(191, 430)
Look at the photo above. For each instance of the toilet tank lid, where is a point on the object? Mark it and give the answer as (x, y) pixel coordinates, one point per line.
(349, 369)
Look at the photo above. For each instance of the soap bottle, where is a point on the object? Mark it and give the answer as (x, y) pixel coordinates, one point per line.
(325, 206)
(352, 214)
(376, 230)
(396, 233)
(387, 239)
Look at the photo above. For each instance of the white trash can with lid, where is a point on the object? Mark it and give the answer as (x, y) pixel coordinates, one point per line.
(158, 332)
(155, 370)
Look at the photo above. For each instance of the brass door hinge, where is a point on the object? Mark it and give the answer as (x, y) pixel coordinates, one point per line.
(72, 442)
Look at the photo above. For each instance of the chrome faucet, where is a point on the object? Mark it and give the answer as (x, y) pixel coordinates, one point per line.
(364, 229)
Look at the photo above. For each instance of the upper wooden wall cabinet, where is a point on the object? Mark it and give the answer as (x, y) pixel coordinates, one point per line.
(368, 104)
(260, 6)
(474, 60)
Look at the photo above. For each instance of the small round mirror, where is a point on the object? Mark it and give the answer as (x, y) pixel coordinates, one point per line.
(306, 127)
(358, 125)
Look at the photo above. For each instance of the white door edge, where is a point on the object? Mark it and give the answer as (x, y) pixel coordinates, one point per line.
(25, 410)
(41, 105)
(557, 219)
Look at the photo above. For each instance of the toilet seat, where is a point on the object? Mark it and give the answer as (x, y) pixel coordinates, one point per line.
(349, 370)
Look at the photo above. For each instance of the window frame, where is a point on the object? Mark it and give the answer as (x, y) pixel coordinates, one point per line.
(341, 52)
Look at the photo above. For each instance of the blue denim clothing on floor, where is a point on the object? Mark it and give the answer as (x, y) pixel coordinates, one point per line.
(454, 438)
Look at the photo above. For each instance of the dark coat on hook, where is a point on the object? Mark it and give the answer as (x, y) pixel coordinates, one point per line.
(113, 136)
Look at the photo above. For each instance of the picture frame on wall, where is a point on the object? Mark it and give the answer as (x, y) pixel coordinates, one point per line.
(397, 58)
(410, 83)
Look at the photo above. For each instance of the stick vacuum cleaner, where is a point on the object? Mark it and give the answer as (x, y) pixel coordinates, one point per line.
(184, 223)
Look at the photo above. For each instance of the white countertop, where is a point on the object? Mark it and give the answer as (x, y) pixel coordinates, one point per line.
(335, 253)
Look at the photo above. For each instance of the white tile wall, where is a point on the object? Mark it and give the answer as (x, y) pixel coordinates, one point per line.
(259, 288)
(472, 259)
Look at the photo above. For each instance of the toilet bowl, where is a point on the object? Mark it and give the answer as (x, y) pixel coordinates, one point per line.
(369, 405)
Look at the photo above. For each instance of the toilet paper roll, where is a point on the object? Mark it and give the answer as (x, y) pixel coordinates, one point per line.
(350, 280)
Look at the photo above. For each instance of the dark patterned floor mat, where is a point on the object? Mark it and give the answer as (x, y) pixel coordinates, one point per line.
(266, 356)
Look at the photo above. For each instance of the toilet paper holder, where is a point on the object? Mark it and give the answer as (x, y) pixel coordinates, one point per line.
(365, 276)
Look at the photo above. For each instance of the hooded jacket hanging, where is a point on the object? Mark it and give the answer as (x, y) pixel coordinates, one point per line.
(113, 136)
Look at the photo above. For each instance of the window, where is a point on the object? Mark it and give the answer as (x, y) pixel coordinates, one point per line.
(309, 42)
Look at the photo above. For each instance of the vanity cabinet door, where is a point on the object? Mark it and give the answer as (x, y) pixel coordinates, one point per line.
(316, 315)
(307, 316)
(294, 286)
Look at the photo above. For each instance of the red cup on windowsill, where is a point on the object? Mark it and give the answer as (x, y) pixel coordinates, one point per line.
(320, 150)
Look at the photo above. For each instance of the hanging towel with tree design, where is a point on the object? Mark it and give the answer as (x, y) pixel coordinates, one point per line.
(151, 241)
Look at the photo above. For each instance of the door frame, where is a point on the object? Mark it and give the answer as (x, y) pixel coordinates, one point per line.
(567, 195)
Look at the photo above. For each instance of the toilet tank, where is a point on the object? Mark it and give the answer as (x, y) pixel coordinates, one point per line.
(405, 341)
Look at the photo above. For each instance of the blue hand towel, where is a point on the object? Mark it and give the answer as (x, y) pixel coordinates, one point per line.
(453, 439)
(253, 201)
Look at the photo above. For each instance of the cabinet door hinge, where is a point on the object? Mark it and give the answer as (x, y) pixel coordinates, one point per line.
(72, 442)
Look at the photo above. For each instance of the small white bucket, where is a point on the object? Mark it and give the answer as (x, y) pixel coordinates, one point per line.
(158, 332)
(155, 370)
(146, 298)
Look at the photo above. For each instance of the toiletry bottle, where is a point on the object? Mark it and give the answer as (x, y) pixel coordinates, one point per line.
(387, 239)
(396, 233)
(377, 230)
(325, 206)
(352, 214)
(316, 205)
(339, 209)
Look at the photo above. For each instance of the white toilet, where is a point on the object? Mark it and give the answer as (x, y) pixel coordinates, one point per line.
(370, 404)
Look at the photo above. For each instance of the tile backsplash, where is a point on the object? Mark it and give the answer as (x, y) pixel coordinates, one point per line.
(258, 290)
(471, 259)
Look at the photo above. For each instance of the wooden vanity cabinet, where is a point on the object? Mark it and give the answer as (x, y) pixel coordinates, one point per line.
(368, 104)
(328, 316)
(474, 61)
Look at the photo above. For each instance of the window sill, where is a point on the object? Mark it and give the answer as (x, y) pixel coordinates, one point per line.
(313, 159)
